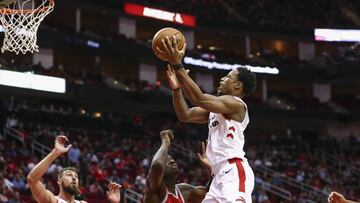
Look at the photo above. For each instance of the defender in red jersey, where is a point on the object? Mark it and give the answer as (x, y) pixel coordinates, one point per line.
(161, 184)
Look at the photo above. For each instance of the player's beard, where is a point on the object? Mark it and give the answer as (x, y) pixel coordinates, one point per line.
(70, 189)
(219, 93)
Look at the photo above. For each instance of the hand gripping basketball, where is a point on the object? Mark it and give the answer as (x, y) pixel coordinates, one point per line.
(174, 54)
(167, 43)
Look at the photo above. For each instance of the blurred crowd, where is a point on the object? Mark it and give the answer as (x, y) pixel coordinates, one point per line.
(123, 157)
(124, 152)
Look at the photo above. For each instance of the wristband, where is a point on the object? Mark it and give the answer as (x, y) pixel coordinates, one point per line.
(176, 89)
(178, 66)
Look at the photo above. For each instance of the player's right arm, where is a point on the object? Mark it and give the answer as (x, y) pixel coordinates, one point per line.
(37, 188)
(158, 165)
(335, 197)
(183, 112)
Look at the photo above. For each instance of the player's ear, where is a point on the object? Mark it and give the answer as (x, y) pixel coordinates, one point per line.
(238, 85)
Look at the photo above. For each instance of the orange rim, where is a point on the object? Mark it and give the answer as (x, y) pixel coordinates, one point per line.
(15, 11)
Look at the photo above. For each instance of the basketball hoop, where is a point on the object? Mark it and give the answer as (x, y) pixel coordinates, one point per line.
(21, 22)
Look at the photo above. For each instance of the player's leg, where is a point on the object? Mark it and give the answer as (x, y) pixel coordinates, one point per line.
(249, 182)
(209, 199)
(210, 196)
(237, 182)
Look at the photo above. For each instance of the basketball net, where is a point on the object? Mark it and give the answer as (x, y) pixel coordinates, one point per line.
(21, 25)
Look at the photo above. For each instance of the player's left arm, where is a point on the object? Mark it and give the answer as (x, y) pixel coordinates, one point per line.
(174, 57)
(224, 104)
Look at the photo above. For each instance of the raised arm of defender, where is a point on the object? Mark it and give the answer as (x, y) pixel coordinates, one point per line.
(37, 188)
(158, 164)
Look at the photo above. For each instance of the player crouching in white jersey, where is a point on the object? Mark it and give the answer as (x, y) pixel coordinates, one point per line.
(67, 179)
(227, 115)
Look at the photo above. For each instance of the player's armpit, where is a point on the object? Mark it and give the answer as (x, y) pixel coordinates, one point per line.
(40, 193)
(186, 114)
(224, 104)
(198, 193)
(193, 194)
(197, 115)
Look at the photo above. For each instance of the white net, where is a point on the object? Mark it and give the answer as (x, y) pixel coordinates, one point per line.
(21, 23)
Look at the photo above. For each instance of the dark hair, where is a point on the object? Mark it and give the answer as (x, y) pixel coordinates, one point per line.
(248, 79)
(67, 169)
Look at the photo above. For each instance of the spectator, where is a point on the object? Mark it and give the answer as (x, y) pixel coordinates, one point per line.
(19, 182)
(74, 155)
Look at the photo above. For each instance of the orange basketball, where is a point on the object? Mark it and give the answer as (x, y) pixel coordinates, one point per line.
(161, 34)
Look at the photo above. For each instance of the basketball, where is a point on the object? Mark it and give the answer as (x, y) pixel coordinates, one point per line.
(4, 3)
(161, 34)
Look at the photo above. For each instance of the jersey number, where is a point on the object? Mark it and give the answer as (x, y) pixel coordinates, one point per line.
(230, 134)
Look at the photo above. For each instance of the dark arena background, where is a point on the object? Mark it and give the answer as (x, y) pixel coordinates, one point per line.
(303, 140)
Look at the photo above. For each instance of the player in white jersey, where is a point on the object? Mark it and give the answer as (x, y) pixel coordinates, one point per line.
(67, 179)
(227, 117)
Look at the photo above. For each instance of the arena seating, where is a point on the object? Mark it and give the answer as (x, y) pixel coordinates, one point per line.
(281, 159)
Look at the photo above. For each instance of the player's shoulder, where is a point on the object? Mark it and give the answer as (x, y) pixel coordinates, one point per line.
(232, 99)
(186, 190)
(184, 186)
(229, 97)
(154, 193)
(153, 196)
(50, 196)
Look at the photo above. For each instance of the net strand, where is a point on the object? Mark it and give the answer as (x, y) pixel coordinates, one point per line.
(21, 27)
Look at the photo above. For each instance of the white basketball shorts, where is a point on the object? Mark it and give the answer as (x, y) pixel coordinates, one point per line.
(233, 182)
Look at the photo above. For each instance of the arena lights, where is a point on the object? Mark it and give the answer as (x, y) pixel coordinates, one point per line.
(143, 11)
(93, 44)
(337, 35)
(225, 66)
(29, 80)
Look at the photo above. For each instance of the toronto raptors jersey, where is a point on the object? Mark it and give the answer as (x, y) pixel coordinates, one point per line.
(226, 137)
(59, 200)
(173, 198)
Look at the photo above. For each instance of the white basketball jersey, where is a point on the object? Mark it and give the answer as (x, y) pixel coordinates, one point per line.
(59, 200)
(226, 137)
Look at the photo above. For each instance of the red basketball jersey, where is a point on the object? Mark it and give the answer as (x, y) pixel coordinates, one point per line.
(173, 198)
